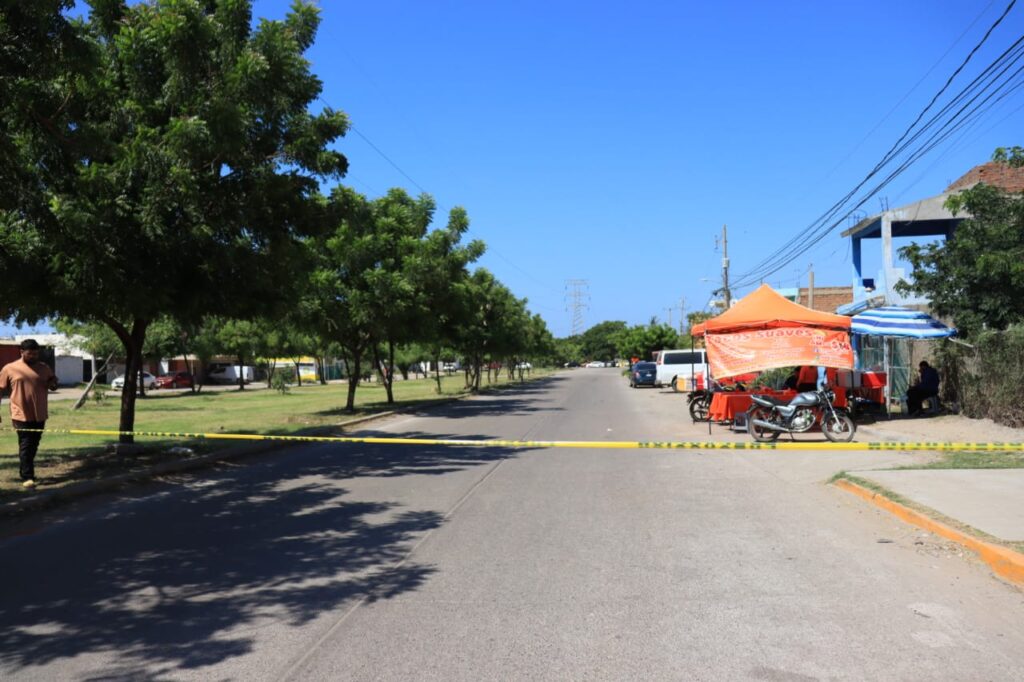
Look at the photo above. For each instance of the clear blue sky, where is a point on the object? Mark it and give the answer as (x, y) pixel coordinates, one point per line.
(611, 141)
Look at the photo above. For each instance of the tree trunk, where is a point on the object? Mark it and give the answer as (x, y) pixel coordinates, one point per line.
(321, 364)
(390, 385)
(437, 370)
(355, 370)
(477, 362)
(241, 373)
(298, 373)
(132, 341)
(191, 366)
(271, 368)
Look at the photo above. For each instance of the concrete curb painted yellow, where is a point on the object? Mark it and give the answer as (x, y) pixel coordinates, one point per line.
(1004, 562)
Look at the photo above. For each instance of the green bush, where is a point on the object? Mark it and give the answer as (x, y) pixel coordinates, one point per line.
(986, 380)
(282, 380)
(772, 378)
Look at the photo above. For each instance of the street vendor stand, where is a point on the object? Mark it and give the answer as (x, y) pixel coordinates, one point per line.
(765, 330)
(894, 328)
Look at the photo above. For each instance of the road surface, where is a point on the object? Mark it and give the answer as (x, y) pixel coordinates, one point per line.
(339, 562)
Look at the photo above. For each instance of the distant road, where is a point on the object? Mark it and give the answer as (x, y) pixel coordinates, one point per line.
(430, 563)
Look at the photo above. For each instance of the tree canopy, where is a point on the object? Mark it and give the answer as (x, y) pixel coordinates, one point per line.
(173, 171)
(976, 276)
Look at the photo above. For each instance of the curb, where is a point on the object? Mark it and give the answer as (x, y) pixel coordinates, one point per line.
(85, 488)
(1004, 562)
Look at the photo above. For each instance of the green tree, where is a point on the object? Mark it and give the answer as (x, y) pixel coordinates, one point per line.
(400, 223)
(177, 175)
(976, 276)
(486, 323)
(338, 297)
(600, 341)
(243, 340)
(640, 341)
(439, 269)
(687, 340)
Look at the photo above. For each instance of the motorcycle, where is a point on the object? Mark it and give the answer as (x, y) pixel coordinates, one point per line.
(769, 417)
(700, 400)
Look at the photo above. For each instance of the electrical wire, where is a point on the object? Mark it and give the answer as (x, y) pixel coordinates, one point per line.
(824, 225)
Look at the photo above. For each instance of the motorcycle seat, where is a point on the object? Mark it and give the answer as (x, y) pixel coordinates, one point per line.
(768, 399)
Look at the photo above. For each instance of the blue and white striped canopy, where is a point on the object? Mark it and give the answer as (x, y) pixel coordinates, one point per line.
(893, 321)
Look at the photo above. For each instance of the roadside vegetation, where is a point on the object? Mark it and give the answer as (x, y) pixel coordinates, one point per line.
(975, 280)
(65, 458)
(171, 186)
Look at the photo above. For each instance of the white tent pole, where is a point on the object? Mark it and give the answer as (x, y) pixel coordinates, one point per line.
(888, 376)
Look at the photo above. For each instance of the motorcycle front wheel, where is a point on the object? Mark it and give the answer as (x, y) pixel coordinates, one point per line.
(760, 433)
(838, 428)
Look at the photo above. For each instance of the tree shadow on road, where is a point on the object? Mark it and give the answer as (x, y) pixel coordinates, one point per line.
(186, 577)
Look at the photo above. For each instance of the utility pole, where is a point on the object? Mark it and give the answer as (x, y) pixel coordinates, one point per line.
(810, 287)
(669, 309)
(725, 269)
(577, 297)
(682, 314)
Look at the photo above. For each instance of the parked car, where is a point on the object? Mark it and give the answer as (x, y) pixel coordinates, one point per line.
(524, 365)
(175, 380)
(643, 374)
(594, 363)
(572, 363)
(682, 365)
(148, 381)
(228, 374)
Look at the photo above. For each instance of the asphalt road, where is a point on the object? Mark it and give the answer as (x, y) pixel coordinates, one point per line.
(419, 563)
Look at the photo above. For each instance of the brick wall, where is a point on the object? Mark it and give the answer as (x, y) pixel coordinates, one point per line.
(992, 173)
(826, 299)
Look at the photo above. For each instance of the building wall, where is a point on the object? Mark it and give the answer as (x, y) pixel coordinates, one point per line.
(992, 173)
(826, 299)
(69, 370)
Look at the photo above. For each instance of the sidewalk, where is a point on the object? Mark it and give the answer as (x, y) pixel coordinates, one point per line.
(983, 507)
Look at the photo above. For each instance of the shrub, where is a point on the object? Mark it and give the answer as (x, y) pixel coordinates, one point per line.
(281, 380)
(985, 380)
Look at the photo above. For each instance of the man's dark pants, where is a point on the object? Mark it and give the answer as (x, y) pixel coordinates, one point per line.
(28, 444)
(916, 396)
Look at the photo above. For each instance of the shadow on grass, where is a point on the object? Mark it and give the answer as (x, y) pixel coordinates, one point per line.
(188, 577)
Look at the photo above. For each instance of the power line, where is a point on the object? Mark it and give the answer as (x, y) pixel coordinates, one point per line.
(408, 177)
(821, 227)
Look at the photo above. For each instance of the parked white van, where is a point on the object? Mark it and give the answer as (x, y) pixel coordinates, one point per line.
(682, 365)
(228, 374)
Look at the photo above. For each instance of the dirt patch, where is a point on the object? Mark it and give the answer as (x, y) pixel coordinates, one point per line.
(947, 428)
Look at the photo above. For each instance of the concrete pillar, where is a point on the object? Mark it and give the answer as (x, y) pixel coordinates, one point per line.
(858, 275)
(887, 256)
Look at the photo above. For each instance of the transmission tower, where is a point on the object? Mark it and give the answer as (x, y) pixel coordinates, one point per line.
(577, 299)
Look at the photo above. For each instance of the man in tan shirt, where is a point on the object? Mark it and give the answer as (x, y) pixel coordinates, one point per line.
(27, 381)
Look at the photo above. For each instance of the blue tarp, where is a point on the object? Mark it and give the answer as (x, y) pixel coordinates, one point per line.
(903, 322)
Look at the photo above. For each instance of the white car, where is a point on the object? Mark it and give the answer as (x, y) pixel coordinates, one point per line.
(595, 363)
(148, 381)
(524, 365)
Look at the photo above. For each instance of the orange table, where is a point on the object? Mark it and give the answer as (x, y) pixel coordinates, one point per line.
(725, 405)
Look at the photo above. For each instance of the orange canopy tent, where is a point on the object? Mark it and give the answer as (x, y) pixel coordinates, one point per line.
(765, 308)
(765, 330)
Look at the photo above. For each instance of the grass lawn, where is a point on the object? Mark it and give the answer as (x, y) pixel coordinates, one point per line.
(65, 458)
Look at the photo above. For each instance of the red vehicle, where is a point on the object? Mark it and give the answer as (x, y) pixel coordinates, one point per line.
(176, 380)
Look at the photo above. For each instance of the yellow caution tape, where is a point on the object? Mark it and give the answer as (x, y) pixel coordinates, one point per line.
(573, 444)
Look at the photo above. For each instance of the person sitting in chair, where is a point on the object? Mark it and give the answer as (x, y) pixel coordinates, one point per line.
(926, 387)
